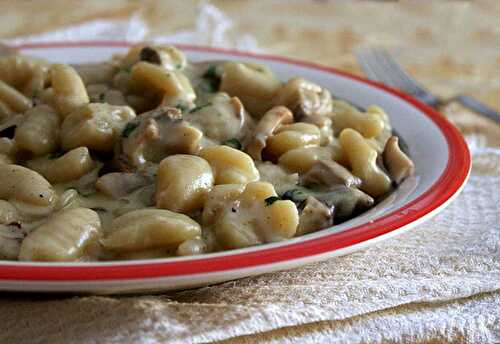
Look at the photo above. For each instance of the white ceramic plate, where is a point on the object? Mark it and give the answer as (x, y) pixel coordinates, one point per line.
(440, 154)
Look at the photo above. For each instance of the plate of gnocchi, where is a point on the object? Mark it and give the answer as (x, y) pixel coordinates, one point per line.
(143, 167)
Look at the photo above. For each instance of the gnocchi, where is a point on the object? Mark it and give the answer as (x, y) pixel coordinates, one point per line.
(71, 166)
(69, 90)
(230, 165)
(255, 85)
(96, 126)
(182, 183)
(26, 188)
(253, 219)
(291, 136)
(38, 133)
(363, 160)
(144, 229)
(150, 155)
(64, 237)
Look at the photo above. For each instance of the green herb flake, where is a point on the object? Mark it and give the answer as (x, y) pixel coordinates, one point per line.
(210, 73)
(182, 107)
(234, 143)
(102, 97)
(129, 128)
(271, 200)
(178, 66)
(200, 107)
(211, 80)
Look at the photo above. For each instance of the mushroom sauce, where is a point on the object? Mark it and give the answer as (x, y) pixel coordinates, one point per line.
(148, 155)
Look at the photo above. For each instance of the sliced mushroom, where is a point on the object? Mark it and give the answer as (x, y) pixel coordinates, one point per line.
(329, 173)
(347, 201)
(398, 164)
(315, 216)
(166, 56)
(271, 120)
(157, 134)
(221, 118)
(304, 98)
(120, 184)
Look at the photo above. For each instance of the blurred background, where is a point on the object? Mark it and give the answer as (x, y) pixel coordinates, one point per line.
(450, 46)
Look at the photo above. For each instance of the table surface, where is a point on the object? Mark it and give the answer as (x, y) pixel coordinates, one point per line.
(451, 47)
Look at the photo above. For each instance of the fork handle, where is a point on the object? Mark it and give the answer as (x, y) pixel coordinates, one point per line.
(478, 107)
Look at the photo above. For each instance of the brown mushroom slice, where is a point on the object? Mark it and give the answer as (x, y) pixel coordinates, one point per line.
(398, 164)
(348, 201)
(157, 134)
(271, 120)
(222, 118)
(329, 172)
(304, 98)
(166, 56)
(120, 184)
(315, 216)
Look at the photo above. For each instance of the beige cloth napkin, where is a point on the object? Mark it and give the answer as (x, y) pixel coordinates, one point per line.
(438, 283)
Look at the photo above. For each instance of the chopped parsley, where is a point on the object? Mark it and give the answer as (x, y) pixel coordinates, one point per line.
(199, 107)
(129, 128)
(271, 200)
(211, 81)
(234, 143)
(178, 66)
(210, 73)
(102, 97)
(181, 107)
(56, 155)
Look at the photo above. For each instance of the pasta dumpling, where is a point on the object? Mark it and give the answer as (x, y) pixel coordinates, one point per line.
(96, 126)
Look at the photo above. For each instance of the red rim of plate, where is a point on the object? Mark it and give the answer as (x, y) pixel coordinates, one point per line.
(450, 182)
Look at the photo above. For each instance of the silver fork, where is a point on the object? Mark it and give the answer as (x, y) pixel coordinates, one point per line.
(379, 65)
